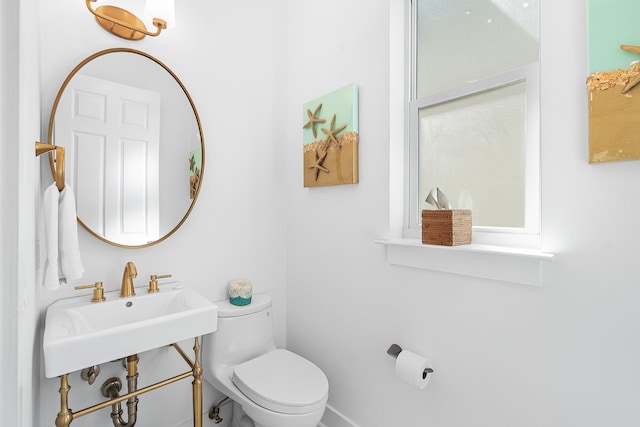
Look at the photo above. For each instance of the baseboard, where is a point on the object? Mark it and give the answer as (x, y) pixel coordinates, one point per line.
(333, 418)
(205, 421)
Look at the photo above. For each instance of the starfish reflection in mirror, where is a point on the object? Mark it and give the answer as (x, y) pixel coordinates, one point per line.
(313, 119)
(317, 165)
(331, 133)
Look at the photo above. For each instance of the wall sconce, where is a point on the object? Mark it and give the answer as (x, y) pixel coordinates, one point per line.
(125, 24)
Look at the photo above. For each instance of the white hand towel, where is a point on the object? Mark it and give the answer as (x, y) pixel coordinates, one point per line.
(70, 261)
(41, 254)
(59, 253)
(50, 279)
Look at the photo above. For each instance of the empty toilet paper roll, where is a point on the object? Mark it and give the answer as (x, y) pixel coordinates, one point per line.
(413, 369)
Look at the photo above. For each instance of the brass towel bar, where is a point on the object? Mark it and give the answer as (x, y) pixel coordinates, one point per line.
(57, 169)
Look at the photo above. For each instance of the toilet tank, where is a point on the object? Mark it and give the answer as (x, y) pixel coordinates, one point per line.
(243, 333)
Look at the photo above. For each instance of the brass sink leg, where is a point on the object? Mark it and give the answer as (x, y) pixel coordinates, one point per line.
(132, 385)
(111, 389)
(197, 386)
(65, 416)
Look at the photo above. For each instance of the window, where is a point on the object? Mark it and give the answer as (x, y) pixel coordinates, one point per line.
(473, 114)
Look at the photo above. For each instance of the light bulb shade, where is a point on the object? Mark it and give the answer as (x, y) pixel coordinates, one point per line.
(163, 9)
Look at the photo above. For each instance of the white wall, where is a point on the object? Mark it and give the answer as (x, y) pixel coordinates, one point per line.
(228, 55)
(19, 129)
(564, 354)
(9, 72)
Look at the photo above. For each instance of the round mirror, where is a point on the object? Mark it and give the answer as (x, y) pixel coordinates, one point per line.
(134, 146)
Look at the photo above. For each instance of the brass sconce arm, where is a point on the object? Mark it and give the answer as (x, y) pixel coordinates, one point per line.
(123, 23)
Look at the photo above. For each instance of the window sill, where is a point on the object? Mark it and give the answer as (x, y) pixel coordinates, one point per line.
(513, 265)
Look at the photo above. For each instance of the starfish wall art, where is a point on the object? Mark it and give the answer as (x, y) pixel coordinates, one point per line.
(612, 85)
(330, 138)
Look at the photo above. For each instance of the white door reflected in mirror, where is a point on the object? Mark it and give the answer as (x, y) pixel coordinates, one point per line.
(114, 131)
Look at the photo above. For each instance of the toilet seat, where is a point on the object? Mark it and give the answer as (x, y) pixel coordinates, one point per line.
(282, 381)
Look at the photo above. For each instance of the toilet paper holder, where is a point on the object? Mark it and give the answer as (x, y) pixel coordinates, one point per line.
(394, 350)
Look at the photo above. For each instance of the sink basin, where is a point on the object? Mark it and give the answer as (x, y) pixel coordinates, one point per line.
(79, 333)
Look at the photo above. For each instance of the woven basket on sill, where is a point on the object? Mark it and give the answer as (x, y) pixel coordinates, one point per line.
(446, 227)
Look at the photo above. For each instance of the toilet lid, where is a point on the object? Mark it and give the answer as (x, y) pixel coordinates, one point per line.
(283, 382)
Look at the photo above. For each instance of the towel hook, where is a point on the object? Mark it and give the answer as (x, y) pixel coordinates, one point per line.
(57, 169)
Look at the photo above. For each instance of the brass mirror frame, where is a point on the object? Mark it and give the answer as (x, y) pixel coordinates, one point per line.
(195, 112)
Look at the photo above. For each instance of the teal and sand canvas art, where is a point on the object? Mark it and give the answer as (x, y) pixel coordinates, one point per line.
(613, 80)
(330, 138)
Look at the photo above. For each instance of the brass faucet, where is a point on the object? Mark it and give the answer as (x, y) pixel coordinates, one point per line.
(127, 290)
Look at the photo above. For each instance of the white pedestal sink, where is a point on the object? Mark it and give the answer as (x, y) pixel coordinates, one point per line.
(79, 334)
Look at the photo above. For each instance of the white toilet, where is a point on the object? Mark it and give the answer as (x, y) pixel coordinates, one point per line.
(269, 387)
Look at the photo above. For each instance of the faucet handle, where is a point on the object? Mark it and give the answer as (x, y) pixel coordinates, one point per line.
(98, 291)
(153, 282)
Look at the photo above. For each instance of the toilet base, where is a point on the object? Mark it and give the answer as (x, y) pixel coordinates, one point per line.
(239, 418)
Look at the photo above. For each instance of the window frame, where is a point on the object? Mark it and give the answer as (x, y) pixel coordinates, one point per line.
(528, 236)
